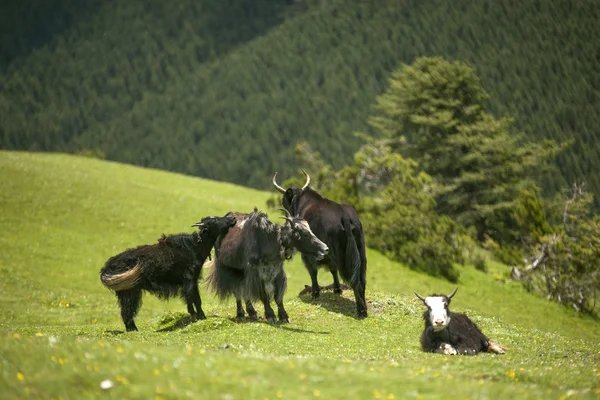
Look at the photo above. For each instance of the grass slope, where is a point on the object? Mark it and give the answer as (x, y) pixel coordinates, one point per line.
(60, 330)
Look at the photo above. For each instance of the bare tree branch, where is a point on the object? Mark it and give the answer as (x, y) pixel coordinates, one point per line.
(577, 191)
(539, 260)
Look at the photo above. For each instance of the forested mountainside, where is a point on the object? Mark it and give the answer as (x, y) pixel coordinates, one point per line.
(225, 89)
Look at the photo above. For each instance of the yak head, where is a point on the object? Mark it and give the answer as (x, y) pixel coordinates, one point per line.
(291, 195)
(297, 235)
(212, 227)
(438, 313)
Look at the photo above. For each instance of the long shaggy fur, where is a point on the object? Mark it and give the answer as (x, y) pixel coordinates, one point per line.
(351, 271)
(171, 267)
(249, 261)
(227, 277)
(122, 281)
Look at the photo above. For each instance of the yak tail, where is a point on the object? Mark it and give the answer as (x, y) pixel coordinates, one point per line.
(353, 262)
(123, 281)
(214, 280)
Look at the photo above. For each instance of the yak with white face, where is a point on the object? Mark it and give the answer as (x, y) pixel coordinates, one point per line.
(451, 333)
(437, 307)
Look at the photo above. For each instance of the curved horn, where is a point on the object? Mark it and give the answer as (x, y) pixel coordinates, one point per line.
(453, 293)
(198, 224)
(288, 216)
(279, 188)
(287, 213)
(307, 180)
(420, 297)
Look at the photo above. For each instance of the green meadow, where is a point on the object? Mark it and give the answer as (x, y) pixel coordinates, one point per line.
(61, 333)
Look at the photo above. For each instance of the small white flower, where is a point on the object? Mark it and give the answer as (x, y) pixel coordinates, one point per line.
(106, 384)
(52, 340)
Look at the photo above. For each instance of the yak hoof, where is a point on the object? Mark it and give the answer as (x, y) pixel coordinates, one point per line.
(337, 290)
(495, 348)
(448, 349)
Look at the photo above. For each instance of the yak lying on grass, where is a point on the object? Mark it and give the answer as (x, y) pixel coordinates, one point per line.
(168, 268)
(338, 226)
(451, 333)
(249, 261)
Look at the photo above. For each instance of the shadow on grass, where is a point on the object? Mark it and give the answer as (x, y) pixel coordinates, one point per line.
(298, 330)
(331, 302)
(113, 332)
(179, 323)
(279, 325)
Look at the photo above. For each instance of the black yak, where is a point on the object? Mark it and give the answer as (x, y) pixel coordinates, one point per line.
(168, 268)
(249, 259)
(338, 226)
(452, 333)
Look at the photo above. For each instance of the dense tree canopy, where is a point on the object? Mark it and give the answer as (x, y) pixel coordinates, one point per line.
(435, 109)
(168, 85)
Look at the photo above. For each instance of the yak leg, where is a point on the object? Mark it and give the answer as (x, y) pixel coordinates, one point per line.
(337, 287)
(269, 313)
(463, 349)
(192, 298)
(129, 302)
(311, 265)
(336, 282)
(446, 349)
(280, 286)
(252, 314)
(240, 310)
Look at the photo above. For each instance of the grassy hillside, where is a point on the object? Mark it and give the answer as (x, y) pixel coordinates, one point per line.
(61, 333)
(167, 86)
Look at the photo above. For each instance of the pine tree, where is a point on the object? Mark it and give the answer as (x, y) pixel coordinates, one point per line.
(436, 110)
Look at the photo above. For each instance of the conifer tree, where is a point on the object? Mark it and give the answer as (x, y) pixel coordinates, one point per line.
(436, 111)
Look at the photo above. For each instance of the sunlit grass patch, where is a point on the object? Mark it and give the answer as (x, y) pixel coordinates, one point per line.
(61, 334)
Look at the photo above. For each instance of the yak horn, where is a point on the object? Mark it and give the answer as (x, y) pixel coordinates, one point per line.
(420, 297)
(279, 188)
(198, 224)
(287, 213)
(453, 293)
(307, 180)
(288, 216)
